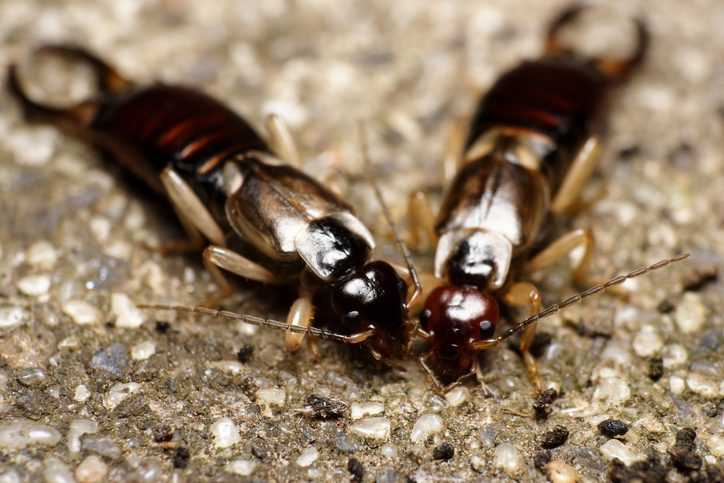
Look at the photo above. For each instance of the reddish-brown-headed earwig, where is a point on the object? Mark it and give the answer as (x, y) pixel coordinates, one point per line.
(529, 149)
(263, 219)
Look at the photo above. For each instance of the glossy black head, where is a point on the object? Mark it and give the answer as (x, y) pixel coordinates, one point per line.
(374, 297)
(331, 249)
(455, 316)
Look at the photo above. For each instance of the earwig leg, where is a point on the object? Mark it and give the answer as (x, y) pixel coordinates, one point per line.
(525, 294)
(429, 283)
(487, 391)
(188, 203)
(421, 224)
(300, 314)
(193, 244)
(561, 248)
(336, 182)
(581, 170)
(281, 140)
(455, 150)
(431, 374)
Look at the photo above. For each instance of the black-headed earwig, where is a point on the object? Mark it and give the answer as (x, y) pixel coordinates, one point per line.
(262, 219)
(532, 144)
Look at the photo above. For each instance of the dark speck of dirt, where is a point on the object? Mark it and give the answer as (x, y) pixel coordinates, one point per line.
(541, 459)
(612, 428)
(162, 433)
(181, 457)
(656, 368)
(162, 327)
(665, 307)
(542, 404)
(700, 277)
(445, 451)
(554, 438)
(245, 353)
(711, 409)
(685, 438)
(629, 152)
(683, 156)
(325, 408)
(356, 469)
(683, 455)
(649, 471)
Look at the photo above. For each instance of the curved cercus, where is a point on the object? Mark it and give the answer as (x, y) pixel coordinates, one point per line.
(487, 245)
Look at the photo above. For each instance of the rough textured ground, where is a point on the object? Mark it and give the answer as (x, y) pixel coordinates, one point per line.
(151, 399)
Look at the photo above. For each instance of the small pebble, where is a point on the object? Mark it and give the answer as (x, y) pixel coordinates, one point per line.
(101, 445)
(308, 456)
(612, 428)
(612, 391)
(112, 359)
(508, 458)
(325, 408)
(560, 472)
(647, 342)
(79, 427)
(690, 313)
(716, 445)
(656, 368)
(425, 426)
(389, 451)
(241, 467)
(34, 285)
(554, 438)
(344, 443)
(272, 396)
(11, 317)
(541, 459)
(457, 396)
(361, 410)
(143, 350)
(101, 228)
(31, 376)
(128, 316)
(181, 457)
(20, 433)
(444, 451)
(703, 386)
(42, 254)
(118, 392)
(374, 428)
(81, 393)
(614, 448)
(91, 470)
(81, 312)
(57, 472)
(356, 469)
(225, 433)
(677, 385)
(478, 464)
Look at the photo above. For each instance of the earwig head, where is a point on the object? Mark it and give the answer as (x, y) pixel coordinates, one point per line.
(456, 316)
(373, 297)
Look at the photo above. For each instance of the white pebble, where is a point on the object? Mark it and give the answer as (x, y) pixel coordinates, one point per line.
(612, 391)
(560, 472)
(57, 472)
(690, 313)
(19, 433)
(425, 426)
(81, 393)
(11, 317)
(507, 458)
(91, 470)
(81, 312)
(79, 427)
(118, 392)
(32, 147)
(271, 396)
(42, 254)
(614, 448)
(716, 445)
(372, 408)
(457, 396)
(101, 228)
(308, 456)
(702, 385)
(376, 428)
(241, 467)
(34, 285)
(127, 314)
(674, 355)
(677, 385)
(143, 350)
(389, 451)
(647, 342)
(479, 464)
(225, 433)
(617, 352)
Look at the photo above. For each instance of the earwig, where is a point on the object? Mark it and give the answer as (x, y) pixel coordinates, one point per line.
(239, 201)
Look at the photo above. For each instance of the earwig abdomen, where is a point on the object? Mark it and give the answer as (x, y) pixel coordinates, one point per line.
(558, 97)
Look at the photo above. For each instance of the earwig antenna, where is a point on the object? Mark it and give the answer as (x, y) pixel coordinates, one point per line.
(249, 319)
(386, 213)
(573, 299)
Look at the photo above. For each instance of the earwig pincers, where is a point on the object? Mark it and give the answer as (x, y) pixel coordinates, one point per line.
(245, 203)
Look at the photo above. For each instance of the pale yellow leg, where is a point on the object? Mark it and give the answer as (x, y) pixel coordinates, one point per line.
(454, 154)
(300, 314)
(421, 222)
(581, 170)
(561, 248)
(525, 294)
(282, 141)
